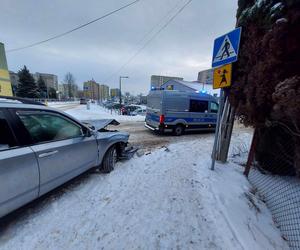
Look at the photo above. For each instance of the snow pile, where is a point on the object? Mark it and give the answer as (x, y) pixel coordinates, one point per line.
(167, 199)
(97, 112)
(61, 104)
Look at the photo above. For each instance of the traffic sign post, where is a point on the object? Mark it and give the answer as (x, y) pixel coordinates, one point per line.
(222, 77)
(226, 48)
(225, 52)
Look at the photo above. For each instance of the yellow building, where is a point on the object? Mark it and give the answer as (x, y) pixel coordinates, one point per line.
(114, 93)
(5, 84)
(104, 92)
(91, 90)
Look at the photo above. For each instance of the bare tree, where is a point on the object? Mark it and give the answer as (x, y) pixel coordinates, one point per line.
(70, 81)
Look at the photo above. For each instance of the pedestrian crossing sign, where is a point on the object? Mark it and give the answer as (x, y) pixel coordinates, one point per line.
(226, 48)
(222, 77)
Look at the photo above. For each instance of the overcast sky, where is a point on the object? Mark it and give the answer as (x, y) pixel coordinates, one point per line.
(99, 50)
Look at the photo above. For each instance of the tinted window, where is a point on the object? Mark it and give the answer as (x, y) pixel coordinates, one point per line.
(214, 107)
(198, 106)
(177, 103)
(44, 127)
(6, 136)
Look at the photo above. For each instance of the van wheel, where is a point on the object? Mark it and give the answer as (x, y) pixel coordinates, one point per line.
(109, 160)
(178, 130)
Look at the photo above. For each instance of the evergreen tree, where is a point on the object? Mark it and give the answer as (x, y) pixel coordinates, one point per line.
(52, 93)
(42, 87)
(27, 86)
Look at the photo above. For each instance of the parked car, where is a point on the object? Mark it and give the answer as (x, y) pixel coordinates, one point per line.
(139, 111)
(117, 106)
(41, 148)
(180, 111)
(128, 109)
(83, 101)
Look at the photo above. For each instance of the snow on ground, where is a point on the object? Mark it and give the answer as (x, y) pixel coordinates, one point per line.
(98, 112)
(61, 104)
(168, 199)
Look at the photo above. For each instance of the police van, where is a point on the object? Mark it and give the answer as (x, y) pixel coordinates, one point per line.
(180, 111)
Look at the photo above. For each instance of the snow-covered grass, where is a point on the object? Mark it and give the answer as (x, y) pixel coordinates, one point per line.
(59, 104)
(97, 112)
(168, 199)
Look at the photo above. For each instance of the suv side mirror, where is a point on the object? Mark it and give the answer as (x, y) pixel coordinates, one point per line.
(87, 132)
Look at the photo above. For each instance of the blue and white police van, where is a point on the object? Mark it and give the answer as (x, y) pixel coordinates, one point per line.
(180, 111)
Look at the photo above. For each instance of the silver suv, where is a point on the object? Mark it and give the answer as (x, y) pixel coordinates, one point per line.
(42, 148)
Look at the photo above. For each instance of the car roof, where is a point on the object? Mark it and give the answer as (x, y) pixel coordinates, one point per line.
(36, 107)
(11, 104)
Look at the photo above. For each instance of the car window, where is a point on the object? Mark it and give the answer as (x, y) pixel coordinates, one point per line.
(45, 127)
(198, 106)
(7, 140)
(214, 107)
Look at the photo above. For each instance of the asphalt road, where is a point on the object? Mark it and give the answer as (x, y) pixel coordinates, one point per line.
(147, 140)
(66, 106)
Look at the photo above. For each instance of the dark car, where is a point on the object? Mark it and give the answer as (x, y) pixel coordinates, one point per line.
(127, 110)
(83, 101)
(117, 106)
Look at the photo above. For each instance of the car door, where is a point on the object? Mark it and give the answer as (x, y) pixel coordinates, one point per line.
(19, 173)
(62, 149)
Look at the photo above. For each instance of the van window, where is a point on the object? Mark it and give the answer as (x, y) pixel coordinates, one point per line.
(198, 106)
(176, 104)
(7, 140)
(214, 107)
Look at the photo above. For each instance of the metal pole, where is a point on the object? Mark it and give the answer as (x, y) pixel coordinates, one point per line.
(120, 96)
(217, 129)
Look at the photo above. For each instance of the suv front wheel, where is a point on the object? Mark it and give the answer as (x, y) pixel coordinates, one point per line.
(109, 160)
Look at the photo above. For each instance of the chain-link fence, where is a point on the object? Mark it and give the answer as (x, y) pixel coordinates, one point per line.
(275, 176)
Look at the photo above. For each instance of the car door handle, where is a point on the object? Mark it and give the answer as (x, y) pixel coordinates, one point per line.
(48, 154)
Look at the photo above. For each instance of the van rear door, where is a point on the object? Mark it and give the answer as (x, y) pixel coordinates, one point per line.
(154, 108)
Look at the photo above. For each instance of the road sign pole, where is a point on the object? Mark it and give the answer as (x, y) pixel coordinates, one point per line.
(220, 111)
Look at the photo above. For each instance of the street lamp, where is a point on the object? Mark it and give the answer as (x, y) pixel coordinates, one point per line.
(124, 77)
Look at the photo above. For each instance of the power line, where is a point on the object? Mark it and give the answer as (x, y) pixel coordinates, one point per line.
(150, 40)
(147, 34)
(159, 22)
(74, 29)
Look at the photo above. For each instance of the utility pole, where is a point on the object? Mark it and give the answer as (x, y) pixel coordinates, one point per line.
(120, 88)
